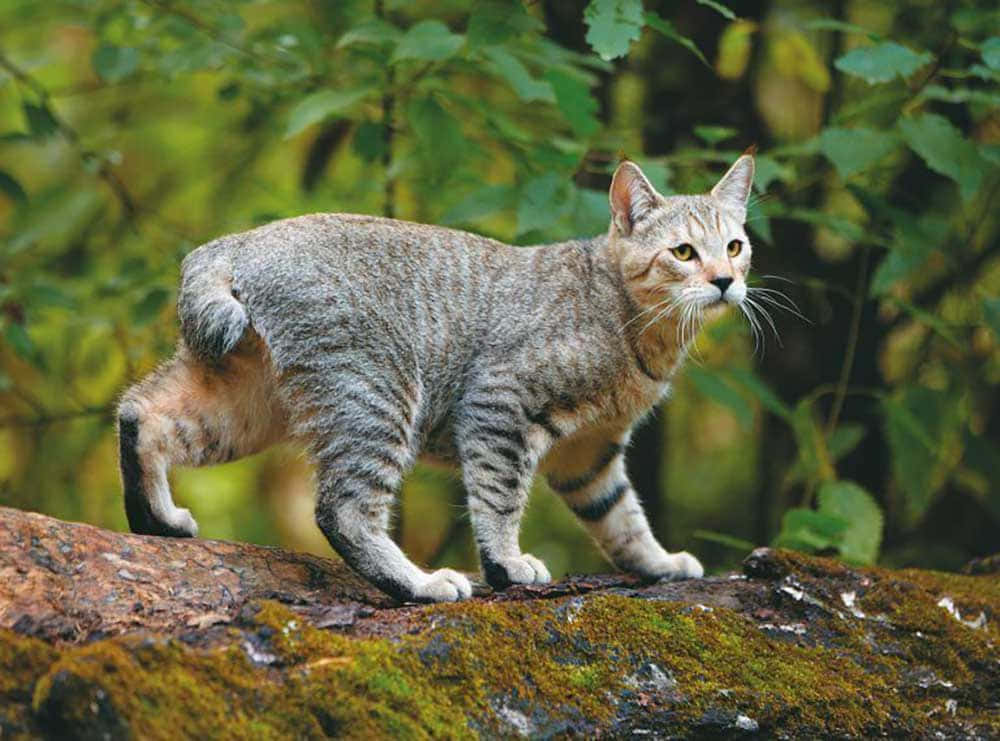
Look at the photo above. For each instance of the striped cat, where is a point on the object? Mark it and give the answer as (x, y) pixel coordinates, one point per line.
(376, 341)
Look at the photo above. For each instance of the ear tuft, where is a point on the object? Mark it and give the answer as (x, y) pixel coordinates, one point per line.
(734, 187)
(632, 197)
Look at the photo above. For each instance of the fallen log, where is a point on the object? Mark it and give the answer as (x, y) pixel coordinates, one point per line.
(111, 635)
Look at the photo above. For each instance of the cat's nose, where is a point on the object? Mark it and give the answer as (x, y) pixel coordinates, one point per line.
(722, 284)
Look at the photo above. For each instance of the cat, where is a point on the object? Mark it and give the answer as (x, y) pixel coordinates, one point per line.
(375, 341)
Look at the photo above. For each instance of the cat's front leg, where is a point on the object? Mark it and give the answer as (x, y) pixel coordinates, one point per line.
(498, 464)
(603, 498)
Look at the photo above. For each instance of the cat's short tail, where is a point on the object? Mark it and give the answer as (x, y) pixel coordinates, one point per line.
(212, 318)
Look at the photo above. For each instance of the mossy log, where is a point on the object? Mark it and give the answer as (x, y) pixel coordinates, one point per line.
(108, 635)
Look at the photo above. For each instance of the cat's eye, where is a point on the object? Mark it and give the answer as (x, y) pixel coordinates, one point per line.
(734, 248)
(683, 252)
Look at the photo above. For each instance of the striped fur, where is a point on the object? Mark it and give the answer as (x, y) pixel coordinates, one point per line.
(376, 341)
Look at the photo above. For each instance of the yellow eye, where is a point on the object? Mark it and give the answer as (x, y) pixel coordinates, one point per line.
(683, 252)
(734, 248)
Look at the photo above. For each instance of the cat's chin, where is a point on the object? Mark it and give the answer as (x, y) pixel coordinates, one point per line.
(716, 309)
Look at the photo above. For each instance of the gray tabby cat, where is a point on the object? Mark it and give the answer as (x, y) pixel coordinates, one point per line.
(374, 341)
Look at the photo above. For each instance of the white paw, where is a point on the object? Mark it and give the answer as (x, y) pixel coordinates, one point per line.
(443, 585)
(676, 566)
(181, 523)
(526, 569)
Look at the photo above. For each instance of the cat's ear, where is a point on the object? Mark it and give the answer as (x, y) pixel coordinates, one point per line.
(734, 188)
(632, 197)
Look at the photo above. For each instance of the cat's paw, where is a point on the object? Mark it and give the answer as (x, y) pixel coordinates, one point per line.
(675, 566)
(443, 585)
(178, 523)
(184, 523)
(523, 569)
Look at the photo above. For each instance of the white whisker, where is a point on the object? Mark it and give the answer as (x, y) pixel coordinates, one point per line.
(766, 315)
(778, 277)
(755, 332)
(662, 314)
(654, 307)
(779, 300)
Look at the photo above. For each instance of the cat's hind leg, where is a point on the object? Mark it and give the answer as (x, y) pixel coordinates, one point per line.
(192, 414)
(361, 420)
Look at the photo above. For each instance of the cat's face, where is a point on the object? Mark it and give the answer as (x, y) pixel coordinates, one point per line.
(687, 256)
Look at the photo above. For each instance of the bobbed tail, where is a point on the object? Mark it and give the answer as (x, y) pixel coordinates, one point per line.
(212, 318)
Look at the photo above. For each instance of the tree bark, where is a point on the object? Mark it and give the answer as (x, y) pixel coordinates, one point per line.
(111, 635)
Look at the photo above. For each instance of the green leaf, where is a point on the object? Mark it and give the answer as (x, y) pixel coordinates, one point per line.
(373, 31)
(711, 385)
(991, 314)
(973, 20)
(481, 203)
(854, 150)
(712, 135)
(860, 541)
(574, 100)
(496, 21)
(666, 28)
(321, 105)
(846, 228)
(761, 391)
(41, 295)
(832, 24)
(767, 169)
(843, 440)
(543, 200)
(915, 238)
(983, 456)
(12, 188)
(734, 49)
(429, 41)
(148, 307)
(439, 134)
(990, 50)
(882, 62)
(510, 68)
(945, 150)
(961, 95)
(369, 141)
(718, 8)
(658, 173)
(114, 63)
(17, 337)
(41, 122)
(929, 319)
(814, 456)
(612, 25)
(806, 529)
(914, 421)
(589, 211)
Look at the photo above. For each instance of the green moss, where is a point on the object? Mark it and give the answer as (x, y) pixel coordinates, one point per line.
(563, 665)
(22, 661)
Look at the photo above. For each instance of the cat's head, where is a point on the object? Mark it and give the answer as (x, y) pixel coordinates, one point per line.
(689, 253)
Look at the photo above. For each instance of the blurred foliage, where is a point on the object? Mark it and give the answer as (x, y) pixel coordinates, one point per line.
(133, 130)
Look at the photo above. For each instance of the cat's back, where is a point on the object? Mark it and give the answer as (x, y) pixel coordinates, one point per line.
(361, 242)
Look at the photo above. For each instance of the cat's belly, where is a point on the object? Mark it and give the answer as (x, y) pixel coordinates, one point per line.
(439, 449)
